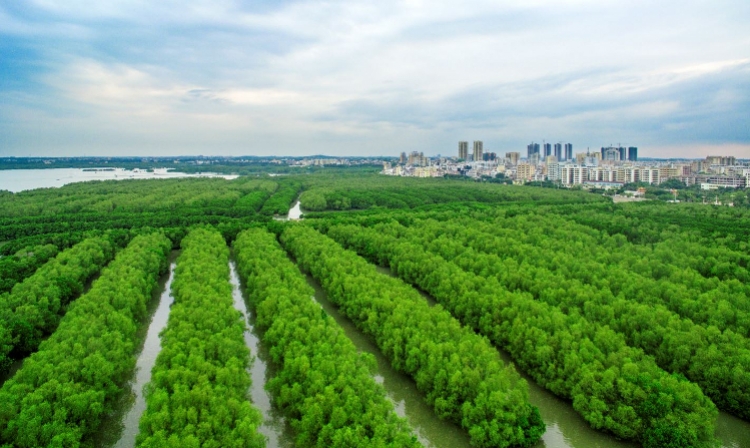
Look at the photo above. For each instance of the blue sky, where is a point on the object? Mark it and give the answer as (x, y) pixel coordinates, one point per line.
(136, 77)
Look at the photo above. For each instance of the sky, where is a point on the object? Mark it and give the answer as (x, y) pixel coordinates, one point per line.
(221, 77)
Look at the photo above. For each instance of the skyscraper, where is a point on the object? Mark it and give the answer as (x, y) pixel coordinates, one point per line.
(532, 149)
(547, 150)
(558, 151)
(402, 159)
(463, 150)
(568, 151)
(478, 150)
(513, 157)
(623, 156)
(633, 154)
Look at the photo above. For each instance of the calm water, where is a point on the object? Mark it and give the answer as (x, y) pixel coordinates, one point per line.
(295, 213)
(567, 429)
(121, 428)
(278, 433)
(20, 180)
(400, 388)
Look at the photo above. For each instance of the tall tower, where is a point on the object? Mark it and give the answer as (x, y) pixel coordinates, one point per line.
(558, 151)
(568, 151)
(633, 153)
(463, 150)
(532, 149)
(547, 150)
(478, 150)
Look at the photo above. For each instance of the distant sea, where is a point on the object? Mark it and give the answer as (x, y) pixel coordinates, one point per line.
(20, 180)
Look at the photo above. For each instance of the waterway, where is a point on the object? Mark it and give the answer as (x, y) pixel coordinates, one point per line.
(567, 429)
(278, 433)
(295, 213)
(400, 389)
(120, 429)
(20, 180)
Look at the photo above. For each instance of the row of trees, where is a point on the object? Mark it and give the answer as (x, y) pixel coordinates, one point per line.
(323, 385)
(197, 396)
(279, 202)
(63, 391)
(33, 308)
(460, 373)
(613, 386)
(23, 263)
(363, 192)
(657, 276)
(718, 361)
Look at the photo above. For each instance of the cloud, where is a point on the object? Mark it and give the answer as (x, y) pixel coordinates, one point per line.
(352, 76)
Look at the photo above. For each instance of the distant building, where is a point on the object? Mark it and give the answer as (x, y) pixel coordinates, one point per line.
(478, 150)
(525, 171)
(418, 159)
(568, 151)
(721, 160)
(489, 157)
(463, 150)
(611, 153)
(402, 160)
(574, 174)
(633, 154)
(547, 150)
(513, 157)
(532, 149)
(558, 151)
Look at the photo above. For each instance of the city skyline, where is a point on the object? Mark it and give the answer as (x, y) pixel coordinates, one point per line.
(300, 78)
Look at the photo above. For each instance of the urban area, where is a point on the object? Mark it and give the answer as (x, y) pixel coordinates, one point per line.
(608, 167)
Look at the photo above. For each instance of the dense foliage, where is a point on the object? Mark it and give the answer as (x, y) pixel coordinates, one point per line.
(625, 301)
(197, 396)
(612, 385)
(323, 385)
(282, 199)
(461, 375)
(33, 308)
(393, 192)
(23, 263)
(62, 392)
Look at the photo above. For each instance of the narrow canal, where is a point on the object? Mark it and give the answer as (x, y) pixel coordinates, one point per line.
(400, 388)
(120, 429)
(277, 431)
(567, 429)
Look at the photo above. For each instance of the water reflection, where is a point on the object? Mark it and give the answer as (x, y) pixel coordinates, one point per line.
(278, 433)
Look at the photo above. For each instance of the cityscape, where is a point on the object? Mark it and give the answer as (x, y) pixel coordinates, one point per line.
(608, 167)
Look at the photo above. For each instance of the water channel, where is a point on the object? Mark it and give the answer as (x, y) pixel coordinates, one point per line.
(567, 429)
(278, 433)
(120, 429)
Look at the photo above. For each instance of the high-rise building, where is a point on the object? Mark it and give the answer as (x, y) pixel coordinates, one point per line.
(489, 157)
(463, 150)
(623, 155)
(402, 159)
(532, 149)
(633, 153)
(513, 157)
(558, 151)
(478, 150)
(547, 150)
(611, 153)
(525, 171)
(568, 151)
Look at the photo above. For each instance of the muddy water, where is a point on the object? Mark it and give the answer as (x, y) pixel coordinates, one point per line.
(400, 388)
(566, 428)
(121, 428)
(277, 431)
